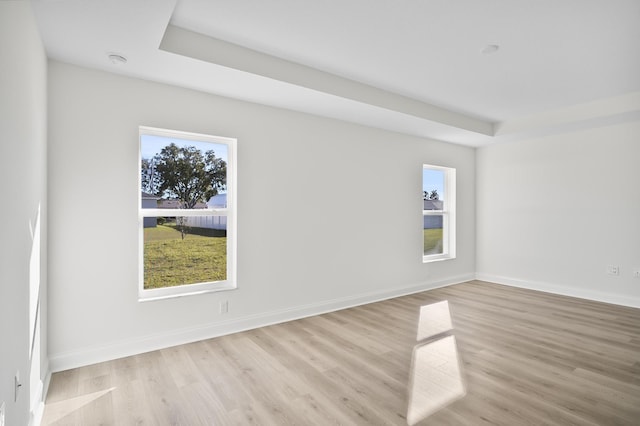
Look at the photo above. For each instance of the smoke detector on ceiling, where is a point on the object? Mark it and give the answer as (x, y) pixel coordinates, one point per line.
(117, 59)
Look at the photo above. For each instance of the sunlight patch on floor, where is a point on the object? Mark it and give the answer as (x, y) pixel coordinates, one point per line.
(58, 410)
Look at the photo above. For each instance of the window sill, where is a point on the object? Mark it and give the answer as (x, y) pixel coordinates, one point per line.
(182, 291)
(436, 258)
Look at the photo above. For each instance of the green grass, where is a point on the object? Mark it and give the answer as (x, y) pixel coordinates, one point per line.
(432, 238)
(169, 260)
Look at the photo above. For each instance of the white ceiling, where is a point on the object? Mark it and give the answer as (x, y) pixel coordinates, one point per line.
(413, 66)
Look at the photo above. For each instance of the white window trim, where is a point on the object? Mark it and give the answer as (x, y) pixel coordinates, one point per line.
(448, 214)
(230, 212)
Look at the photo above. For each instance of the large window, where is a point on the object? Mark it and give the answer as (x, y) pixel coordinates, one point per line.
(186, 213)
(438, 212)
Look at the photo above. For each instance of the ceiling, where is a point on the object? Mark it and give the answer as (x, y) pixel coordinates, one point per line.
(412, 66)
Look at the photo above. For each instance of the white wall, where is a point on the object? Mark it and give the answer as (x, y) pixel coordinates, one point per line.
(553, 212)
(23, 171)
(310, 235)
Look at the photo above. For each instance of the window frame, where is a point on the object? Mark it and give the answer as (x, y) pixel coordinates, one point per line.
(230, 212)
(448, 214)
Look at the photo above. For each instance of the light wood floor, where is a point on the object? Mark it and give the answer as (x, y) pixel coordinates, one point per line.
(526, 358)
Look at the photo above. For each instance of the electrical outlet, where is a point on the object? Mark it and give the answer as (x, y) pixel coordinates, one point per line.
(224, 307)
(2, 413)
(613, 270)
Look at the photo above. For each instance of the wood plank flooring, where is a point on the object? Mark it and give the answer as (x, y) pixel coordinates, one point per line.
(526, 357)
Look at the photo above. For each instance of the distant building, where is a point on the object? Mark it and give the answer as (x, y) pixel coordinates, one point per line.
(218, 201)
(149, 201)
(176, 204)
(432, 222)
(432, 204)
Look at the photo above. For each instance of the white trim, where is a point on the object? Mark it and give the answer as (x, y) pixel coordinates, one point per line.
(95, 354)
(448, 214)
(436, 258)
(182, 212)
(35, 417)
(230, 212)
(563, 290)
(179, 134)
(91, 355)
(184, 290)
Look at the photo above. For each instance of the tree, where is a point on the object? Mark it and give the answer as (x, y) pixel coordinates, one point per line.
(187, 174)
(150, 177)
(433, 195)
(182, 225)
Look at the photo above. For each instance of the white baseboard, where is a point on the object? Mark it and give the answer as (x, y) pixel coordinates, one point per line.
(93, 355)
(36, 415)
(35, 418)
(563, 290)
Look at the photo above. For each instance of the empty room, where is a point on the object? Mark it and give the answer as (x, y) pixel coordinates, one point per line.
(358, 212)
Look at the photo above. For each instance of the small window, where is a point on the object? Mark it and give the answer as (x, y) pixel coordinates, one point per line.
(438, 212)
(186, 213)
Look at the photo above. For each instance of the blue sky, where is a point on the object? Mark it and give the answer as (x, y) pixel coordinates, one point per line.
(433, 179)
(151, 145)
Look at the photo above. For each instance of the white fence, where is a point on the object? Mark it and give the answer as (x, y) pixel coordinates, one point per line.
(432, 222)
(210, 222)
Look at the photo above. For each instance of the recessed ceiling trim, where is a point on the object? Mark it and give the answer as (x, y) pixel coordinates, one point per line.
(204, 48)
(627, 105)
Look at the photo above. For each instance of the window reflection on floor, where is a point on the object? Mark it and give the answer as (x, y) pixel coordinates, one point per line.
(434, 319)
(436, 371)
